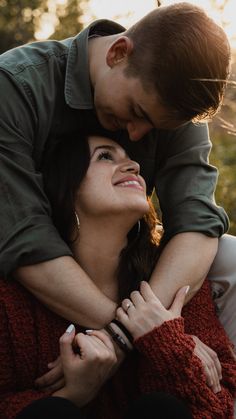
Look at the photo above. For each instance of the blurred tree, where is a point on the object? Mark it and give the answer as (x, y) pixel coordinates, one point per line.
(68, 16)
(21, 19)
(18, 20)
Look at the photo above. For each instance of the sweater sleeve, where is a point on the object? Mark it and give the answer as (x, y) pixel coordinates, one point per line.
(173, 367)
(12, 401)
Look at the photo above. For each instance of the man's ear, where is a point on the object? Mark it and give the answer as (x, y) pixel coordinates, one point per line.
(119, 50)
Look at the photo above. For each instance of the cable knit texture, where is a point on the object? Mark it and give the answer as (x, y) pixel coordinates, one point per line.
(163, 359)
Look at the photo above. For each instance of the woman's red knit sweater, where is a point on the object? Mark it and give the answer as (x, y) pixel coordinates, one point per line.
(163, 360)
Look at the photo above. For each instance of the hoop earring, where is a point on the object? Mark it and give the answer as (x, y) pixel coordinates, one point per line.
(77, 220)
(138, 228)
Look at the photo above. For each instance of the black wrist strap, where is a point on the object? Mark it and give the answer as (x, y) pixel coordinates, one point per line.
(117, 339)
(124, 330)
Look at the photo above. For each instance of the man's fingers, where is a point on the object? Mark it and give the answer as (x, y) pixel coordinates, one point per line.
(177, 305)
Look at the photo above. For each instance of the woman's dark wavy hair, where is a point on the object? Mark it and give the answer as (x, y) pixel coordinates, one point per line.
(65, 165)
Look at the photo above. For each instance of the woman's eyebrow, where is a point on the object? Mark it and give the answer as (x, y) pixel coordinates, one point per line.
(108, 147)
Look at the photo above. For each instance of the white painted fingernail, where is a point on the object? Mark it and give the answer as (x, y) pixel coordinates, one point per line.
(88, 331)
(187, 289)
(70, 328)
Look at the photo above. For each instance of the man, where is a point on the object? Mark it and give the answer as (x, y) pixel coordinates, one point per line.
(148, 83)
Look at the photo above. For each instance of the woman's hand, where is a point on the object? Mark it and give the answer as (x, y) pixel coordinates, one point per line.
(86, 371)
(53, 379)
(210, 363)
(144, 311)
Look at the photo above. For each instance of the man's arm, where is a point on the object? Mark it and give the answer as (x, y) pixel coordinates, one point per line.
(185, 260)
(67, 290)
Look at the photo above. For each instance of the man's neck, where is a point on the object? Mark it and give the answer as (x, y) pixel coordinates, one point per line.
(97, 49)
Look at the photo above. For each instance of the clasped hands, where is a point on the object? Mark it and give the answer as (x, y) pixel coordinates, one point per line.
(79, 376)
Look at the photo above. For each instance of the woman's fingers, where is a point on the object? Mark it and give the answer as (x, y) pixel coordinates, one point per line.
(54, 364)
(95, 345)
(209, 365)
(55, 386)
(178, 303)
(56, 372)
(50, 377)
(103, 338)
(127, 305)
(215, 359)
(146, 291)
(66, 341)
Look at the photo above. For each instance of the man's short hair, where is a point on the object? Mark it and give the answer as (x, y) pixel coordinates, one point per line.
(185, 56)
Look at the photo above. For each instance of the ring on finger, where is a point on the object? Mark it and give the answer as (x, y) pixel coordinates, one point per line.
(128, 305)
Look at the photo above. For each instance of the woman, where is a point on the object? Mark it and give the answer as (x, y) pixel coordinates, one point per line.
(107, 196)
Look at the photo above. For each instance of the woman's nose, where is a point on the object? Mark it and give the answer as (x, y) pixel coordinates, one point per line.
(131, 166)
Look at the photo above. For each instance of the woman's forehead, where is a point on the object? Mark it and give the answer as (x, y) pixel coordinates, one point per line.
(99, 142)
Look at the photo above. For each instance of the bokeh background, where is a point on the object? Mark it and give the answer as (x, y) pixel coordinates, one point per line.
(23, 21)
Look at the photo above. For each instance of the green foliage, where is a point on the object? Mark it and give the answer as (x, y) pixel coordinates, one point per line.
(223, 156)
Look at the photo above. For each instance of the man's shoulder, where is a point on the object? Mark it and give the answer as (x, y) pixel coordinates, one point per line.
(32, 55)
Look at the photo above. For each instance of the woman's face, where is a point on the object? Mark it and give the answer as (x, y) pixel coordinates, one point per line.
(112, 184)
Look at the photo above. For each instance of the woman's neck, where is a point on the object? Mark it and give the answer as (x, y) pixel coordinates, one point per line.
(98, 249)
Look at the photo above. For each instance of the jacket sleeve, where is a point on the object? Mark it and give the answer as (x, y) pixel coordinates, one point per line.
(27, 234)
(185, 183)
(12, 401)
(174, 368)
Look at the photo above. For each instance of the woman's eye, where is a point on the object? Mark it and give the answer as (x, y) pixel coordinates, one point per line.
(105, 155)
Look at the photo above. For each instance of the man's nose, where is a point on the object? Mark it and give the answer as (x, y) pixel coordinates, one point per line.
(137, 129)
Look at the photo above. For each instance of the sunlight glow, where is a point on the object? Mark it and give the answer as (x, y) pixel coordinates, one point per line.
(127, 12)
